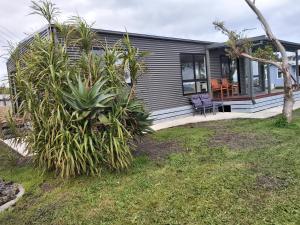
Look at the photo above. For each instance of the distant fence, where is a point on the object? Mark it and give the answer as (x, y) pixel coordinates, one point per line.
(5, 100)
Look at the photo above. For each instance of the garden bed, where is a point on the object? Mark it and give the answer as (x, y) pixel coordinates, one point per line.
(9, 193)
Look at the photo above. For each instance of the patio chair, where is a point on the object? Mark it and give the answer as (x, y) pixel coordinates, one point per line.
(197, 104)
(208, 103)
(226, 85)
(217, 87)
(230, 87)
(203, 102)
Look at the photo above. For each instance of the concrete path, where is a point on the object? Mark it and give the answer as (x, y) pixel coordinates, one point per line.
(221, 116)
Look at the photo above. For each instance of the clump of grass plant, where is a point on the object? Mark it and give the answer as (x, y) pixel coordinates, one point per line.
(83, 116)
(281, 122)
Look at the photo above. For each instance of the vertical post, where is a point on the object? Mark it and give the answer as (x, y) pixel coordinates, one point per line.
(262, 76)
(251, 80)
(269, 79)
(208, 72)
(297, 69)
(249, 75)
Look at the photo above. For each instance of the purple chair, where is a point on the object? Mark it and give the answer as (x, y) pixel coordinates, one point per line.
(208, 103)
(197, 103)
(203, 102)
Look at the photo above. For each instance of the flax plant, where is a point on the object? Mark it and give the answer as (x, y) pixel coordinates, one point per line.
(83, 117)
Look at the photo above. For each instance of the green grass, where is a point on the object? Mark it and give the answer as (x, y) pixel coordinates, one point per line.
(256, 184)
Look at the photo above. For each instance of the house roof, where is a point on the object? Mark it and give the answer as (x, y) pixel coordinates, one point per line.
(123, 33)
(263, 39)
(152, 36)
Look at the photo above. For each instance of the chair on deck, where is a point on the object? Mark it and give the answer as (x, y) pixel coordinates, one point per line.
(217, 87)
(234, 88)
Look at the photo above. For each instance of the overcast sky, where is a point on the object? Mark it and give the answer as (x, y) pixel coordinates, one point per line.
(176, 18)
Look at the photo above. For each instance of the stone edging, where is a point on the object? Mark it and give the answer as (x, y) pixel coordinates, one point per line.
(12, 202)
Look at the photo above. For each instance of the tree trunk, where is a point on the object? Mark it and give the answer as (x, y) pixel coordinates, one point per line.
(288, 104)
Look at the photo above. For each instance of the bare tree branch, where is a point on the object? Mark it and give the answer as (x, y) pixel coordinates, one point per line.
(266, 61)
(237, 50)
(268, 30)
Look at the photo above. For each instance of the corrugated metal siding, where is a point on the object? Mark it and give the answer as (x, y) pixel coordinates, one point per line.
(161, 86)
(23, 46)
(215, 63)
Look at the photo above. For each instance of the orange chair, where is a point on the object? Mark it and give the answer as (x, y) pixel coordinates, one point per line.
(234, 88)
(217, 87)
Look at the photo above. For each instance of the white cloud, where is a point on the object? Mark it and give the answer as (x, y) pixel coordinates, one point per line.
(186, 19)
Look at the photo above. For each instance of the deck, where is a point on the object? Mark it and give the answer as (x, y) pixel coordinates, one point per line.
(234, 104)
(261, 102)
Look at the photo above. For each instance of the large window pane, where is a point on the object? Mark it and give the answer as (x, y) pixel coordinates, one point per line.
(189, 88)
(225, 68)
(200, 67)
(127, 76)
(194, 77)
(187, 67)
(98, 51)
(201, 86)
(233, 71)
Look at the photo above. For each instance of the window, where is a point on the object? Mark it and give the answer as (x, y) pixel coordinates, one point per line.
(194, 75)
(225, 66)
(229, 69)
(279, 74)
(127, 76)
(100, 52)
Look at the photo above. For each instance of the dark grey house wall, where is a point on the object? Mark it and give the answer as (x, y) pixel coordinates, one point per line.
(215, 62)
(161, 86)
(23, 45)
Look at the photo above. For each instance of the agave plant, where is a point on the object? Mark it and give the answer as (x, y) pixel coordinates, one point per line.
(88, 102)
(132, 113)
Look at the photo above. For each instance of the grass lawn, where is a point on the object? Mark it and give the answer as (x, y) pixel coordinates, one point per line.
(227, 172)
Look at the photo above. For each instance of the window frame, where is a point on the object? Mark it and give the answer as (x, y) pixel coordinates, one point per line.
(195, 80)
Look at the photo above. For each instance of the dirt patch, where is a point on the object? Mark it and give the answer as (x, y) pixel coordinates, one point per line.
(238, 141)
(46, 187)
(23, 161)
(225, 136)
(270, 183)
(155, 149)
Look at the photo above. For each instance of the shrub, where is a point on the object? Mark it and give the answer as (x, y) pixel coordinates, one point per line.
(281, 122)
(83, 116)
